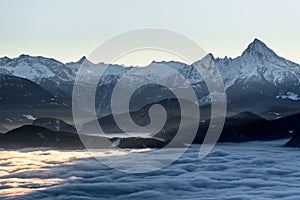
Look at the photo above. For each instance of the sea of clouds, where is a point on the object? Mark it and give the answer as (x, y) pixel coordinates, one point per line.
(254, 170)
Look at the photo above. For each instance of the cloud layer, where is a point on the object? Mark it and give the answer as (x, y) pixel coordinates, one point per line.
(263, 170)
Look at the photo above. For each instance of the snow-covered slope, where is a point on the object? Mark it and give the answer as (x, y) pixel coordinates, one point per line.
(36, 68)
(258, 63)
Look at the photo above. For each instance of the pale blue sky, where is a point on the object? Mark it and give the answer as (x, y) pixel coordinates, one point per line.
(67, 30)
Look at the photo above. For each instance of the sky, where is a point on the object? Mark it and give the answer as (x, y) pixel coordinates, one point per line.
(68, 29)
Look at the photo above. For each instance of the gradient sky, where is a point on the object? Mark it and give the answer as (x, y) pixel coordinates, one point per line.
(67, 30)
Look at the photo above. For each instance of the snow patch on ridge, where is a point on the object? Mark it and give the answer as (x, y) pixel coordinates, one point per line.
(28, 116)
(289, 95)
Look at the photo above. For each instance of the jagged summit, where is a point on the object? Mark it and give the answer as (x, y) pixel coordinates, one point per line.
(209, 56)
(169, 63)
(77, 64)
(82, 59)
(4, 60)
(24, 56)
(36, 59)
(257, 47)
(27, 56)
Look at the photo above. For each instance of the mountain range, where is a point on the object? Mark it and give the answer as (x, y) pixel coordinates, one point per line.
(258, 81)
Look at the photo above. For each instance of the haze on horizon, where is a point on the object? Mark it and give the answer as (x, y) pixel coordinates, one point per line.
(67, 30)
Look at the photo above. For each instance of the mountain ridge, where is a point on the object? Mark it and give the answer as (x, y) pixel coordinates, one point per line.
(256, 42)
(258, 74)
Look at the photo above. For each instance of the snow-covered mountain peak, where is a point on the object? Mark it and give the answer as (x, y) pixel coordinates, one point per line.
(24, 58)
(206, 59)
(82, 59)
(75, 66)
(258, 49)
(4, 60)
(35, 68)
(258, 63)
(209, 57)
(207, 66)
(174, 64)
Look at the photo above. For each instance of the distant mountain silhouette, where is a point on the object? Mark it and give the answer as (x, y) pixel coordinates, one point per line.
(16, 92)
(54, 124)
(35, 136)
(240, 127)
